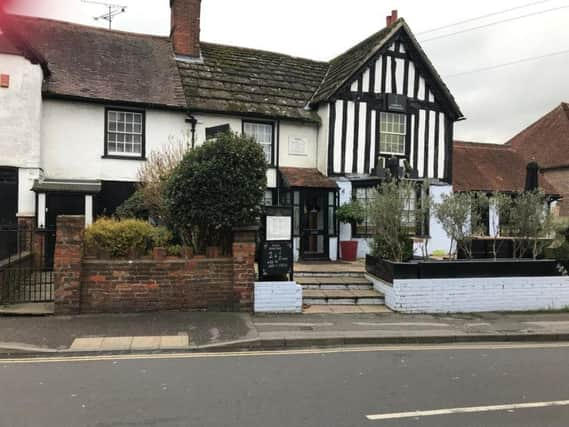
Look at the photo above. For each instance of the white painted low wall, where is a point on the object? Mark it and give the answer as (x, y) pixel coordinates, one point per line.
(475, 294)
(278, 297)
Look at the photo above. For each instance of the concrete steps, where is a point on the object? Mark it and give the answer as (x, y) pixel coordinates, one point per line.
(339, 290)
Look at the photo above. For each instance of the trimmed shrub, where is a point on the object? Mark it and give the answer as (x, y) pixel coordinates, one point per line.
(216, 187)
(133, 207)
(121, 239)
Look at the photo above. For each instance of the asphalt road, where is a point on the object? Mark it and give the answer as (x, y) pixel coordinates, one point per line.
(291, 388)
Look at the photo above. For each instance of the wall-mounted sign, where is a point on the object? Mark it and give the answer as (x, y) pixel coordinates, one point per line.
(279, 228)
(297, 146)
(397, 103)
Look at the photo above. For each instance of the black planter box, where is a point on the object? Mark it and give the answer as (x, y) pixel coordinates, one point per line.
(389, 271)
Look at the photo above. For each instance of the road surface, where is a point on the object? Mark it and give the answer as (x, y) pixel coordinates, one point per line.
(500, 385)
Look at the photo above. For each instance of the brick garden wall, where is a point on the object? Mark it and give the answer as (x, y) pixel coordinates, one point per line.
(111, 286)
(135, 286)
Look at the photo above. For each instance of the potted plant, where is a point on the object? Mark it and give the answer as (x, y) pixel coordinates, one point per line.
(350, 213)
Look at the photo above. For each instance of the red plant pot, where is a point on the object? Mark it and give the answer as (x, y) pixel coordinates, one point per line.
(349, 250)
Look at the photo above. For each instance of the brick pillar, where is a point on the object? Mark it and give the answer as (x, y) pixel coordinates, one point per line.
(244, 266)
(67, 264)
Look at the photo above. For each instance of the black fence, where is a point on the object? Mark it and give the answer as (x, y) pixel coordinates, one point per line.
(26, 265)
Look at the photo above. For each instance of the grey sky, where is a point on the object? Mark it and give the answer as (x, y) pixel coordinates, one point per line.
(496, 103)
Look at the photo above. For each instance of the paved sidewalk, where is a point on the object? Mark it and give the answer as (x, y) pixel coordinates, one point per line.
(177, 331)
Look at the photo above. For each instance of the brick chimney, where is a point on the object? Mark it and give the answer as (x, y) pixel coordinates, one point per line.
(185, 27)
(390, 19)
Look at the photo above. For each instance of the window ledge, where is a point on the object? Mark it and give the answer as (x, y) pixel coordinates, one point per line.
(138, 159)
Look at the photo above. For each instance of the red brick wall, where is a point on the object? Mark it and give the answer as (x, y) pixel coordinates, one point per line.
(136, 286)
(68, 262)
(110, 286)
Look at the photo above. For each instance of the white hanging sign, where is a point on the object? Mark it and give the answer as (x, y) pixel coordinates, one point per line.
(279, 228)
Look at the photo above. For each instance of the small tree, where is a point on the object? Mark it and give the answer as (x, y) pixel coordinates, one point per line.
(501, 204)
(531, 223)
(216, 187)
(460, 217)
(393, 213)
(154, 174)
(148, 200)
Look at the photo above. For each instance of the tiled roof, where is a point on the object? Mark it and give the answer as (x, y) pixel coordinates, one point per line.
(7, 47)
(239, 80)
(348, 63)
(97, 64)
(490, 167)
(547, 140)
(303, 177)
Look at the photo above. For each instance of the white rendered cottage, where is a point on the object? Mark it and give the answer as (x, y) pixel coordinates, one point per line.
(84, 106)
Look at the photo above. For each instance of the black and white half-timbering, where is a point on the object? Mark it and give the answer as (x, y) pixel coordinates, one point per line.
(328, 129)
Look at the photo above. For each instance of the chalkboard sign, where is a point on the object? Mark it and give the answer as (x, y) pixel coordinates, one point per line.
(277, 258)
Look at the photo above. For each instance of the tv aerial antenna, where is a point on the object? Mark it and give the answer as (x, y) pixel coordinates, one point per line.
(112, 11)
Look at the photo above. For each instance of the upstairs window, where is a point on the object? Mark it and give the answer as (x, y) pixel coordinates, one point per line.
(393, 132)
(263, 134)
(125, 133)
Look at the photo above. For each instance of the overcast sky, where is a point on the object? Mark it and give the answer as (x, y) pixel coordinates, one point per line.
(497, 103)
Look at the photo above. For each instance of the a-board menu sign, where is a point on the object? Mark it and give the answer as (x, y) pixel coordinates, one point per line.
(277, 245)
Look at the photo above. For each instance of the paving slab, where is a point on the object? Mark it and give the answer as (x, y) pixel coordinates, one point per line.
(174, 342)
(145, 343)
(87, 344)
(116, 344)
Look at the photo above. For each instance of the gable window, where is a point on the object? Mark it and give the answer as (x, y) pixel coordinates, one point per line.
(263, 134)
(124, 136)
(393, 132)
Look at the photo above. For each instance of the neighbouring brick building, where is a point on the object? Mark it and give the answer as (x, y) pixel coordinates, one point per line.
(504, 167)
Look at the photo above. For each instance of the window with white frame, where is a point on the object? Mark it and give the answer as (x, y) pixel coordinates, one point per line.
(263, 134)
(393, 132)
(125, 133)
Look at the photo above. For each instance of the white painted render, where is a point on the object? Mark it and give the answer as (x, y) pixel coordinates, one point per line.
(277, 297)
(20, 113)
(300, 131)
(481, 294)
(73, 135)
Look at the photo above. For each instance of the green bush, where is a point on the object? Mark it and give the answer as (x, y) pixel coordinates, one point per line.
(133, 207)
(351, 213)
(217, 186)
(127, 238)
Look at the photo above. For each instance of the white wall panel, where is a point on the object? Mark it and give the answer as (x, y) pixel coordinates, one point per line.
(470, 295)
(362, 137)
(350, 137)
(338, 137)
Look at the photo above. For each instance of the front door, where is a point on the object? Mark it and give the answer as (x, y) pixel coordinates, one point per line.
(314, 219)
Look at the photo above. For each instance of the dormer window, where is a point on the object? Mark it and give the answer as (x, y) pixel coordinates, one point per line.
(393, 133)
(124, 134)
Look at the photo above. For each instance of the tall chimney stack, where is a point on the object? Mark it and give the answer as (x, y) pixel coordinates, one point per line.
(185, 27)
(390, 19)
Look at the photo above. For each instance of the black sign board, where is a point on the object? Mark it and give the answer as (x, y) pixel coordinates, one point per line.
(276, 249)
(277, 258)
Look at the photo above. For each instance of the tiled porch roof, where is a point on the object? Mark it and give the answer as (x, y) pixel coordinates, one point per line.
(307, 178)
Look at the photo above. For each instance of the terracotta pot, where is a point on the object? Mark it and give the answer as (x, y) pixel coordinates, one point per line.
(349, 250)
